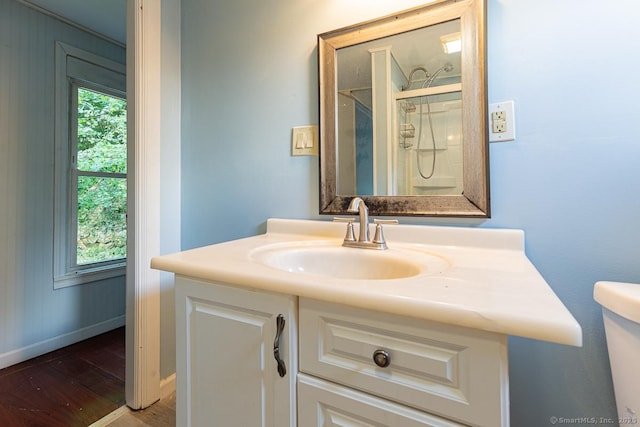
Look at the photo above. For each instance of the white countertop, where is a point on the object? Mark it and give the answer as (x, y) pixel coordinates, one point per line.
(488, 283)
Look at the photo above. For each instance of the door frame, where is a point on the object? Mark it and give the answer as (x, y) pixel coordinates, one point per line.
(142, 380)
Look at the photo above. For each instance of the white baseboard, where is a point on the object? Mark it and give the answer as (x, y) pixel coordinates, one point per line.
(167, 386)
(51, 344)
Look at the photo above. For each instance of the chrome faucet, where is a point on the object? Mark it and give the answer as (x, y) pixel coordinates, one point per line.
(364, 241)
(358, 205)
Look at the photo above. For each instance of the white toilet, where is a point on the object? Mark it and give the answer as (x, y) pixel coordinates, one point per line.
(621, 311)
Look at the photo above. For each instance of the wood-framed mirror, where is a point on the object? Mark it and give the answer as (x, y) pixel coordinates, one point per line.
(403, 114)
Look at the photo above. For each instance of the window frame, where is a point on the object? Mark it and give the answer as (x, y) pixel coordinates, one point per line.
(77, 68)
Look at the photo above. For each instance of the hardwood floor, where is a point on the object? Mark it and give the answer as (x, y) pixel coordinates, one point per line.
(70, 387)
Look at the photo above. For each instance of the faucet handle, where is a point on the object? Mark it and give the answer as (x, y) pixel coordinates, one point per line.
(385, 221)
(343, 219)
(378, 238)
(350, 236)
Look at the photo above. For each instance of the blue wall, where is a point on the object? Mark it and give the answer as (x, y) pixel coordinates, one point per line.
(571, 179)
(35, 318)
(364, 150)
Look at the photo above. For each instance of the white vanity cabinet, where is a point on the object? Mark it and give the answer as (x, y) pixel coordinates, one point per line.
(427, 347)
(361, 368)
(226, 372)
(423, 373)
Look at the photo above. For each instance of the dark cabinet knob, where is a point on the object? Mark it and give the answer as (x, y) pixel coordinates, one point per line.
(381, 358)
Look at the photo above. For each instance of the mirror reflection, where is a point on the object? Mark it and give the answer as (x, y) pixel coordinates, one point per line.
(409, 141)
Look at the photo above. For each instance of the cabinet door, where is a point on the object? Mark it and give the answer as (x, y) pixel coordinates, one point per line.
(226, 373)
(325, 404)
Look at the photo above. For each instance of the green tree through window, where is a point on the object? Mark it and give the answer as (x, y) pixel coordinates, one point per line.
(101, 167)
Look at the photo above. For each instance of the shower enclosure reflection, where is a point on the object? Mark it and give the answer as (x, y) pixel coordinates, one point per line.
(428, 156)
(399, 115)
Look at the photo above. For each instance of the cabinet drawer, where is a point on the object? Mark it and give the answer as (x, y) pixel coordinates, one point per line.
(325, 404)
(455, 372)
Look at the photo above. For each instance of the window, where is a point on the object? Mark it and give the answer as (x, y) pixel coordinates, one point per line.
(91, 167)
(99, 190)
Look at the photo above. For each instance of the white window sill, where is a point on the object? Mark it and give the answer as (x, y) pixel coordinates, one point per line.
(81, 277)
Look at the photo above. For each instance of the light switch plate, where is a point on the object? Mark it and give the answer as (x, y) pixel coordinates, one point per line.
(304, 141)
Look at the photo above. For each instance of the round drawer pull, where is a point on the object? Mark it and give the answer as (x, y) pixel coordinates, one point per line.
(381, 358)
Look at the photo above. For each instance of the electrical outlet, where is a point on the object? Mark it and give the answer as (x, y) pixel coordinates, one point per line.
(499, 115)
(502, 122)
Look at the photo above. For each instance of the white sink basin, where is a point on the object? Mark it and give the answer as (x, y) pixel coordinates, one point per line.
(333, 260)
